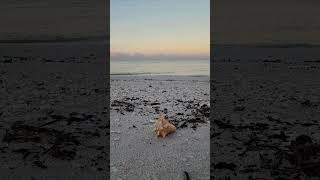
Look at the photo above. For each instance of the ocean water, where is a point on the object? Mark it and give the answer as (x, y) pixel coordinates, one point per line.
(160, 67)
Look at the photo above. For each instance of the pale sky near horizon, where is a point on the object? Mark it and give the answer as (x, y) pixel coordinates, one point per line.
(165, 27)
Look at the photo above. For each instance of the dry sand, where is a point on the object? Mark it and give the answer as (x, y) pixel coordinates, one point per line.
(136, 103)
(260, 110)
(53, 112)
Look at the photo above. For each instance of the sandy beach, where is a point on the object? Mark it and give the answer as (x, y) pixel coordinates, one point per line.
(53, 111)
(265, 116)
(136, 103)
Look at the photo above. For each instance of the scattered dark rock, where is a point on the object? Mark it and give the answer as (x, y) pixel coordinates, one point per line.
(182, 124)
(276, 119)
(272, 61)
(39, 164)
(154, 104)
(60, 142)
(127, 106)
(308, 124)
(280, 136)
(239, 108)
(196, 120)
(301, 140)
(223, 124)
(306, 102)
(224, 165)
(63, 154)
(179, 100)
(156, 108)
(7, 61)
(205, 110)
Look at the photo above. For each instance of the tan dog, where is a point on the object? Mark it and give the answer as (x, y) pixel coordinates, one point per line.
(163, 127)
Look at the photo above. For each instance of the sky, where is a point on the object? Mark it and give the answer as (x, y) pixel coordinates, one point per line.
(163, 26)
(160, 28)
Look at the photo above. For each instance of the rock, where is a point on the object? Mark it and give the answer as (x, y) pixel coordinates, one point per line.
(64, 154)
(302, 140)
(154, 104)
(224, 165)
(239, 108)
(127, 106)
(306, 102)
(280, 136)
(205, 110)
(223, 124)
(39, 164)
(182, 124)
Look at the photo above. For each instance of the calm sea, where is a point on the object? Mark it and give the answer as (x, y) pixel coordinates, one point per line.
(160, 67)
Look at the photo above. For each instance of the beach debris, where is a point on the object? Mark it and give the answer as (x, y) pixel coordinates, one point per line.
(282, 136)
(301, 140)
(225, 165)
(62, 145)
(205, 110)
(163, 127)
(127, 106)
(39, 164)
(194, 113)
(186, 175)
(154, 103)
(239, 108)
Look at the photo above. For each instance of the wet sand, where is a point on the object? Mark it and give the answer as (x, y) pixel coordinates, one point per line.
(136, 103)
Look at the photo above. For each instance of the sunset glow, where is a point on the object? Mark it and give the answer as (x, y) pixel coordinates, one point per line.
(160, 28)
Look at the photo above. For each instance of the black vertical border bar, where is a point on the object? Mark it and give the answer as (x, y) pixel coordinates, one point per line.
(107, 100)
(211, 86)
